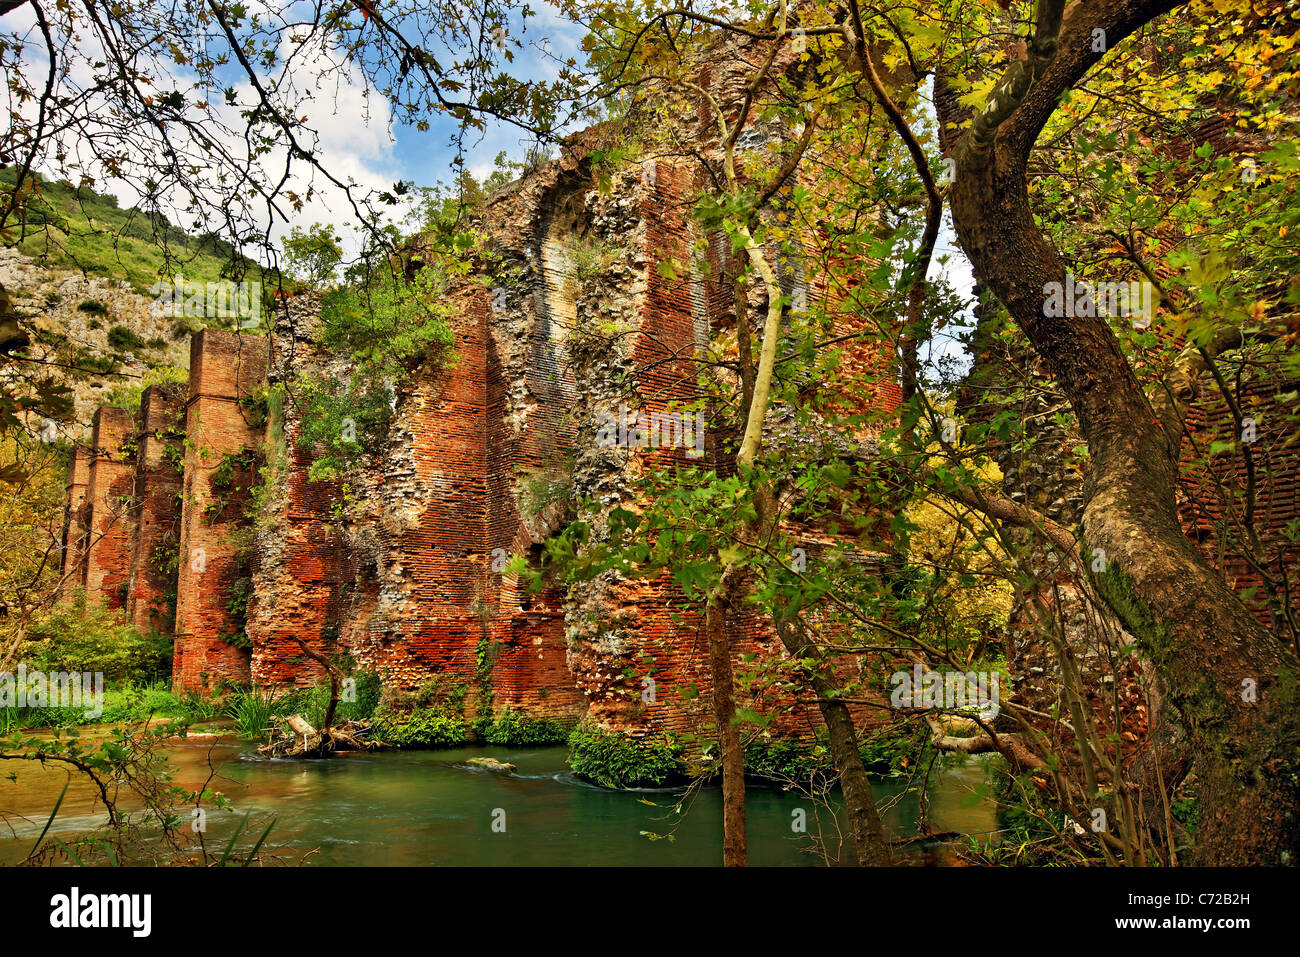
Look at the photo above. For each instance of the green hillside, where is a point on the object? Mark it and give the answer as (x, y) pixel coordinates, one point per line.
(78, 228)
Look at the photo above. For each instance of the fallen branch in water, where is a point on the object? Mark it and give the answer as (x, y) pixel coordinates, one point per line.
(294, 737)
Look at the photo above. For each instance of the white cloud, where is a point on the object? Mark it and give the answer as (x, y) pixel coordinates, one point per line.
(351, 137)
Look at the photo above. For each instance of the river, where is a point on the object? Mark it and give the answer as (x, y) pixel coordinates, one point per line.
(430, 808)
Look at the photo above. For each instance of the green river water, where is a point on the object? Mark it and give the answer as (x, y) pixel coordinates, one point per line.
(429, 808)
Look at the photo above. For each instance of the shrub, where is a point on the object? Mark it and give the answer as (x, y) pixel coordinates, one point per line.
(885, 752)
(441, 691)
(138, 702)
(888, 751)
(790, 761)
(368, 690)
(620, 761)
(513, 728)
(124, 340)
(421, 728)
(88, 637)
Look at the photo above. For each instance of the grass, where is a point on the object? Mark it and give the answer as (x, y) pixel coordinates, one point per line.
(254, 709)
(127, 704)
(252, 712)
(84, 230)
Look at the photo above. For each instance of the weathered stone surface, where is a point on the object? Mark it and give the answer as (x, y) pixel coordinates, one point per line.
(108, 495)
(155, 512)
(573, 318)
(226, 369)
(492, 764)
(81, 310)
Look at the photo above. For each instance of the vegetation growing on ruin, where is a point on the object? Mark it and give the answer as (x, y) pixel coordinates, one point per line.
(383, 317)
(165, 564)
(422, 728)
(127, 395)
(230, 482)
(343, 420)
(548, 487)
(486, 653)
(616, 760)
(513, 729)
(264, 495)
(588, 257)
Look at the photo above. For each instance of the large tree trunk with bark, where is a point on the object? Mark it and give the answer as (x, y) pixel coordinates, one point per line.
(1207, 647)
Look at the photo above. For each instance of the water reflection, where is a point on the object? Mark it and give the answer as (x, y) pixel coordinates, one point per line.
(429, 808)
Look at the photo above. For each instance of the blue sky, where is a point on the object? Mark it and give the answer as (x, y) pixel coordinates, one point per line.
(425, 158)
(358, 140)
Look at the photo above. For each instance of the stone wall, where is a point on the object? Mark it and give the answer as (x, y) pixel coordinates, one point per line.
(155, 509)
(571, 318)
(106, 570)
(1216, 495)
(588, 301)
(223, 441)
(76, 518)
(300, 571)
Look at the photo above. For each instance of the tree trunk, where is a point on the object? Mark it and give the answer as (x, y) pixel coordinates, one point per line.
(1207, 647)
(869, 845)
(734, 853)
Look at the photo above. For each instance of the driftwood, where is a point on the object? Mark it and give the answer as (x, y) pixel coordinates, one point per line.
(298, 725)
(294, 737)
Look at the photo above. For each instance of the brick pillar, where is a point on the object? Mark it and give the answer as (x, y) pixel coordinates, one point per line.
(108, 492)
(151, 598)
(302, 555)
(75, 518)
(439, 546)
(225, 367)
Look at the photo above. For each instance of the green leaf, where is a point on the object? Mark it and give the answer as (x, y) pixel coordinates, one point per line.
(57, 804)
